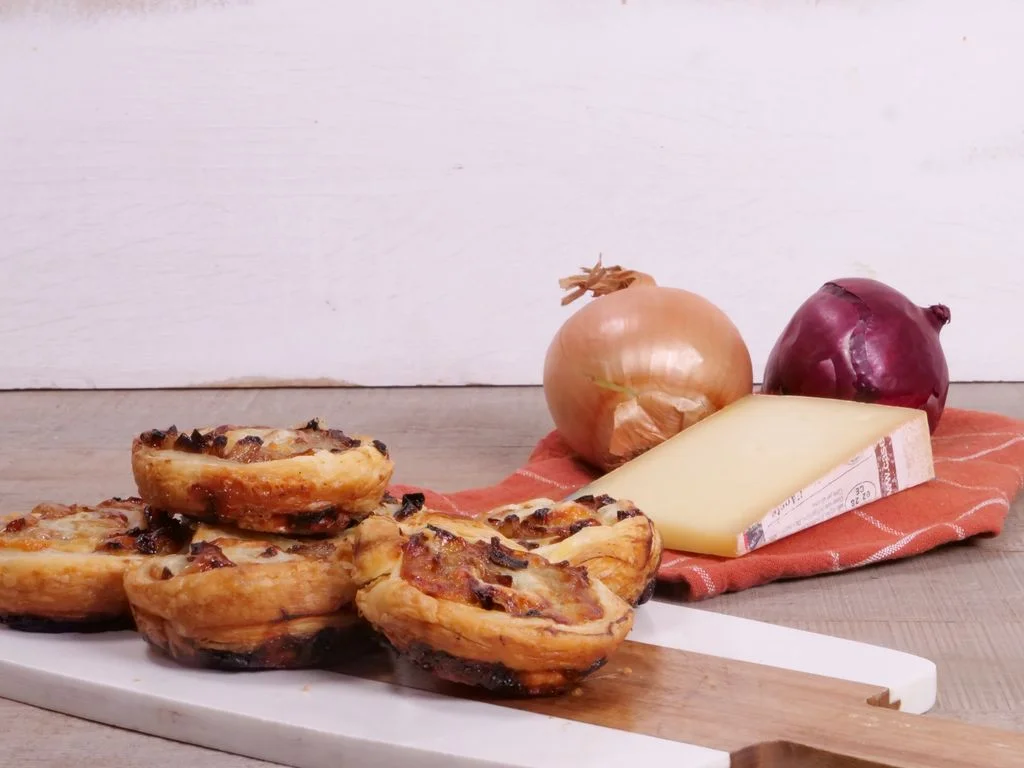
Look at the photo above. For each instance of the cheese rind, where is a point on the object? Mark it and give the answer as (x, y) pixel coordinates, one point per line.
(769, 466)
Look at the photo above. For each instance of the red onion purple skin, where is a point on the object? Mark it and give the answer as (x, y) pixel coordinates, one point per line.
(860, 339)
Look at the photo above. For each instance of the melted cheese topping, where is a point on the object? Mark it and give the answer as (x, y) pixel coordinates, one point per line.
(249, 445)
(75, 528)
(540, 522)
(214, 547)
(493, 577)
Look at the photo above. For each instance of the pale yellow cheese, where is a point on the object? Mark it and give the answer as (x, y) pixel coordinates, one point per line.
(768, 466)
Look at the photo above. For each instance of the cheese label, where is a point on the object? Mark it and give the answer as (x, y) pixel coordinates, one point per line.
(891, 465)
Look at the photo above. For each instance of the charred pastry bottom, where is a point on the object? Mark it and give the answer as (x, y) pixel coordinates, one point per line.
(24, 622)
(63, 593)
(309, 642)
(492, 676)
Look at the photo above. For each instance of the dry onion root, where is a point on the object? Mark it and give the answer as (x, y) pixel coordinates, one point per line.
(309, 480)
(247, 602)
(638, 364)
(62, 566)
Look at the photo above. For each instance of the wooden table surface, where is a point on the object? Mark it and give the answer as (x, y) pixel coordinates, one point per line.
(961, 606)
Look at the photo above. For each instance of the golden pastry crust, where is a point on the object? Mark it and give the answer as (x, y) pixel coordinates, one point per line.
(246, 601)
(482, 614)
(376, 547)
(62, 566)
(614, 540)
(308, 480)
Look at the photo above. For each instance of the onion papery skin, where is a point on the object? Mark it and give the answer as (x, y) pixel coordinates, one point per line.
(860, 339)
(635, 367)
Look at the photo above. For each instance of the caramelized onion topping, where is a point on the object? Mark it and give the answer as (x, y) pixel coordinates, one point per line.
(564, 519)
(206, 556)
(251, 449)
(18, 524)
(411, 504)
(317, 549)
(494, 577)
(161, 534)
(546, 525)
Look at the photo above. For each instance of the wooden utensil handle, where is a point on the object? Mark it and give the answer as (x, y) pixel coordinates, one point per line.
(875, 737)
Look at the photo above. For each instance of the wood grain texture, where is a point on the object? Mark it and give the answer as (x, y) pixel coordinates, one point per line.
(960, 606)
(401, 187)
(764, 717)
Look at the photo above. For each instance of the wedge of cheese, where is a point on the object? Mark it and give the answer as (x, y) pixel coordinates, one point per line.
(768, 466)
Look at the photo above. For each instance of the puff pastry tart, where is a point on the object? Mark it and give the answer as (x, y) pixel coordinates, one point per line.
(309, 480)
(614, 540)
(482, 614)
(62, 566)
(245, 602)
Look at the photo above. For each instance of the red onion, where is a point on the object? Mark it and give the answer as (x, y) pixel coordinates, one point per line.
(859, 339)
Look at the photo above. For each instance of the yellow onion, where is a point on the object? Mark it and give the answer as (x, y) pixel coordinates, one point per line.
(638, 364)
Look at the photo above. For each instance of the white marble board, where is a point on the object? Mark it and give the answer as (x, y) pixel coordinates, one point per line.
(317, 719)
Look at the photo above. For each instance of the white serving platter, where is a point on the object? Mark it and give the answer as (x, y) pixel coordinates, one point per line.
(320, 719)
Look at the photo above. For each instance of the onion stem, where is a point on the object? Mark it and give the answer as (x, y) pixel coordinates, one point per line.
(601, 280)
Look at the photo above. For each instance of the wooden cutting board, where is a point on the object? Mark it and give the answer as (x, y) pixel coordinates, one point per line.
(693, 687)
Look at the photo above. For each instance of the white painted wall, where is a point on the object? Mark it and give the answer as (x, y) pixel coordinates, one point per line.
(386, 192)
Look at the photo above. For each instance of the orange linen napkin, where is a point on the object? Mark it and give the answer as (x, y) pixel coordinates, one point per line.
(979, 464)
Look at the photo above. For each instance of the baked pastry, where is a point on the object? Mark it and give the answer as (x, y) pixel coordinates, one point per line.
(244, 601)
(614, 540)
(482, 614)
(62, 566)
(309, 480)
(379, 538)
